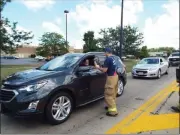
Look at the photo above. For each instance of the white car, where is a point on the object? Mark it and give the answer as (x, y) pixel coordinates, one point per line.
(39, 58)
(123, 57)
(151, 67)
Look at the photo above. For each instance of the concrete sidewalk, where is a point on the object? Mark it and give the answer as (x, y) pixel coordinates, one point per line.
(175, 131)
(165, 106)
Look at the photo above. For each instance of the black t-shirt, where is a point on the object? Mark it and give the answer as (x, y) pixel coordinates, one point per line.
(110, 63)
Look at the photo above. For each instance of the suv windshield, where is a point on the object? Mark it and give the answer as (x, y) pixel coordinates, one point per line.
(149, 61)
(62, 62)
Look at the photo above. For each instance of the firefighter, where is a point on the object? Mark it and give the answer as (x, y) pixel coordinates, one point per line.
(111, 83)
(177, 108)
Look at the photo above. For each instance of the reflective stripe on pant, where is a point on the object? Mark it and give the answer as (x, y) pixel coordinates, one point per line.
(110, 93)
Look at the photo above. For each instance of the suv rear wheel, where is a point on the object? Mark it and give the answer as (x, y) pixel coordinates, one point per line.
(59, 108)
(120, 87)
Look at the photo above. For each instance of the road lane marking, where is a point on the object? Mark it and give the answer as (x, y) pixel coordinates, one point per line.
(143, 113)
(162, 97)
(135, 114)
(153, 122)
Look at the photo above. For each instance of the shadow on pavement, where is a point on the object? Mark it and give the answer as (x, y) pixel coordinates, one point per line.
(39, 120)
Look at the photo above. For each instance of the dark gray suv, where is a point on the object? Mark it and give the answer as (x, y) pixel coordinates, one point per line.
(57, 87)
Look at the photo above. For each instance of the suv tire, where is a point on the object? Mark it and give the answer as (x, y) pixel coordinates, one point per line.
(63, 107)
(120, 87)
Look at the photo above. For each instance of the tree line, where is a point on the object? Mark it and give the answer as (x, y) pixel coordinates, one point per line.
(109, 37)
(52, 43)
(132, 42)
(10, 37)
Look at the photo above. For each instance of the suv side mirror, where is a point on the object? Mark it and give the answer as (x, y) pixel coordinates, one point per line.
(83, 69)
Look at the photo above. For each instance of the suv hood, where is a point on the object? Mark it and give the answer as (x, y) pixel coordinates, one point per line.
(146, 66)
(20, 78)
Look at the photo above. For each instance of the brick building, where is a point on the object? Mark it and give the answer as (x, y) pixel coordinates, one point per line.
(25, 51)
(73, 50)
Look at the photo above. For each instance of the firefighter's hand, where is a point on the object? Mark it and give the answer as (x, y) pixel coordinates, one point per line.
(97, 66)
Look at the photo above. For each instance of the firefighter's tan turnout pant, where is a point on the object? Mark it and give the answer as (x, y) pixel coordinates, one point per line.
(111, 88)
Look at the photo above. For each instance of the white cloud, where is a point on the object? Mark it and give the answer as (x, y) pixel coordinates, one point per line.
(164, 30)
(98, 15)
(8, 29)
(38, 4)
(101, 1)
(58, 21)
(51, 27)
(18, 28)
(77, 44)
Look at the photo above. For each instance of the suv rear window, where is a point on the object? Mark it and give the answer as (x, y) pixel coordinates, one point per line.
(119, 62)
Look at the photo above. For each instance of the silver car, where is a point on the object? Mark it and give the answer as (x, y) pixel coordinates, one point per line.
(151, 67)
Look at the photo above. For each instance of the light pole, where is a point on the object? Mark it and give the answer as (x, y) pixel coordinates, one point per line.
(121, 28)
(66, 12)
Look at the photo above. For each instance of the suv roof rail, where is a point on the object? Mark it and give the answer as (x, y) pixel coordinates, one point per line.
(95, 52)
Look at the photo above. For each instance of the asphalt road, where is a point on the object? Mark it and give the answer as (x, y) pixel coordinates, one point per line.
(91, 118)
(27, 61)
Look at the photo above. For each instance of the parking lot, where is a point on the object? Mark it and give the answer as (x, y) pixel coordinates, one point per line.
(140, 99)
(21, 61)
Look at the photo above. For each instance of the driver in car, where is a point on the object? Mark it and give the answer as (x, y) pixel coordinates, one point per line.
(85, 63)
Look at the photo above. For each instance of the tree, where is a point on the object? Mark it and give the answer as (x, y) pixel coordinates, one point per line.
(90, 42)
(144, 52)
(3, 3)
(52, 44)
(10, 37)
(132, 40)
(110, 38)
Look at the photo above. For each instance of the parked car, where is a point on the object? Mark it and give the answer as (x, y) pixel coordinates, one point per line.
(16, 57)
(11, 57)
(2, 57)
(57, 87)
(174, 59)
(152, 67)
(39, 58)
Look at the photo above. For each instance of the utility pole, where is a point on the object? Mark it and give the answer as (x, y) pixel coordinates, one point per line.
(66, 12)
(121, 28)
